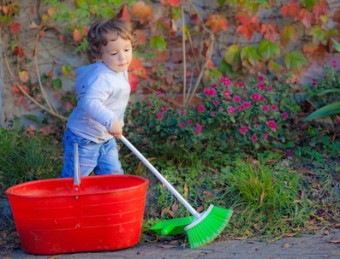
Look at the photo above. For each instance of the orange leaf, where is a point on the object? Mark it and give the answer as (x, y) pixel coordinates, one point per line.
(15, 90)
(138, 69)
(124, 13)
(23, 76)
(133, 81)
(77, 37)
(141, 37)
(270, 31)
(142, 12)
(216, 22)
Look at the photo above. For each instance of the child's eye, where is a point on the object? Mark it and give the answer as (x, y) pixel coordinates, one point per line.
(113, 54)
(127, 50)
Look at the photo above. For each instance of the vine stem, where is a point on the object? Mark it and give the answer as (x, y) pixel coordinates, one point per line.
(24, 92)
(184, 58)
(211, 47)
(38, 73)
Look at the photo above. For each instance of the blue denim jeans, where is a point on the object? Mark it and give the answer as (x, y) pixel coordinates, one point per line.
(99, 158)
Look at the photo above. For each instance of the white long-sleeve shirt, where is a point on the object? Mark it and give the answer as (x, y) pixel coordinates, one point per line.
(102, 97)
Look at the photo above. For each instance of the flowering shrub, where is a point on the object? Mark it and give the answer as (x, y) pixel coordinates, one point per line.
(230, 116)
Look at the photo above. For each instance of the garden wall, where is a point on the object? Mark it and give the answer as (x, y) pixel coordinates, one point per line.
(51, 54)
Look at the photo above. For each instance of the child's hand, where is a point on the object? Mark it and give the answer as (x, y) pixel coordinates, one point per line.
(116, 129)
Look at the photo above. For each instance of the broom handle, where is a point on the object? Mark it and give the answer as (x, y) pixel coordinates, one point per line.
(160, 177)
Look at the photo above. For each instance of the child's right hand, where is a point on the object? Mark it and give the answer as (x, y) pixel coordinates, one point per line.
(116, 129)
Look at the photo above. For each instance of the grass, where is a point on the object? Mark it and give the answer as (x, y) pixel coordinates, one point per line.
(270, 195)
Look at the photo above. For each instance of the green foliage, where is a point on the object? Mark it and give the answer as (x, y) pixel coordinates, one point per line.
(323, 93)
(242, 116)
(266, 198)
(26, 157)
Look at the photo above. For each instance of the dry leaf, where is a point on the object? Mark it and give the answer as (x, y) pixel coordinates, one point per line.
(286, 245)
(334, 241)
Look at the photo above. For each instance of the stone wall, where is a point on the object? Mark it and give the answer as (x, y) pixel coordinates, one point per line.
(52, 53)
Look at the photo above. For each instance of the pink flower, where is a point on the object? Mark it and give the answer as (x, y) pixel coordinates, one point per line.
(129, 102)
(213, 85)
(241, 107)
(265, 107)
(200, 108)
(227, 93)
(284, 115)
(314, 82)
(159, 116)
(164, 109)
(209, 92)
(231, 110)
(243, 130)
(182, 124)
(265, 136)
(261, 98)
(247, 104)
(253, 138)
(159, 93)
(225, 81)
(215, 102)
(255, 97)
(260, 86)
(150, 104)
(274, 107)
(212, 113)
(334, 63)
(182, 112)
(270, 88)
(260, 78)
(239, 84)
(237, 99)
(198, 129)
(272, 124)
(190, 122)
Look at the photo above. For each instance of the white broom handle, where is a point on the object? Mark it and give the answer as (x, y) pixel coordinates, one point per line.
(160, 177)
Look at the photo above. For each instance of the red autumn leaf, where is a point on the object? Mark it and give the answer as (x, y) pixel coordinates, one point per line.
(142, 12)
(15, 89)
(124, 13)
(138, 69)
(270, 31)
(291, 9)
(133, 80)
(141, 37)
(19, 51)
(216, 22)
(249, 25)
(306, 18)
(321, 8)
(14, 27)
(195, 19)
(173, 3)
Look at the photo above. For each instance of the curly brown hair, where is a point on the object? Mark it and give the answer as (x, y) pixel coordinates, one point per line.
(99, 31)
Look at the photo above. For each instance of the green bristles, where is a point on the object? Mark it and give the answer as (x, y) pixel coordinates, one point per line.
(172, 226)
(206, 228)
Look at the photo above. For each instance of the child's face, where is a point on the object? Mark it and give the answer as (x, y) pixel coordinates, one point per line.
(117, 54)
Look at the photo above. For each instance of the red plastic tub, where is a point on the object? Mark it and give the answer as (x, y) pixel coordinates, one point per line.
(54, 216)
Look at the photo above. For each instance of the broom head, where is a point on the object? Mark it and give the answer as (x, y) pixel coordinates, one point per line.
(172, 226)
(208, 226)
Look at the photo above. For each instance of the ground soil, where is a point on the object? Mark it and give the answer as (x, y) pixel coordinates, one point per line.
(321, 244)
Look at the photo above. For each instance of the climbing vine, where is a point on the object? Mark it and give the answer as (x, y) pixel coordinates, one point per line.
(180, 44)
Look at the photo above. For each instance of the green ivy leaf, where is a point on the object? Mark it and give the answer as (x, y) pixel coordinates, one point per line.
(268, 50)
(319, 35)
(57, 84)
(295, 60)
(232, 55)
(250, 53)
(336, 45)
(158, 42)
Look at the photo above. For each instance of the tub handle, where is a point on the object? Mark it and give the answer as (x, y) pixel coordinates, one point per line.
(76, 178)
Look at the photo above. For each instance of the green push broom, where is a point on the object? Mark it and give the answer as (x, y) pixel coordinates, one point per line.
(205, 226)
